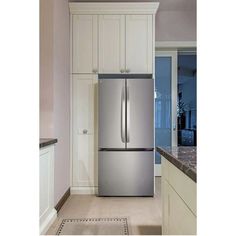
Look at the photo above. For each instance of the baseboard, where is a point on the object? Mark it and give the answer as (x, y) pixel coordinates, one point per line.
(84, 190)
(62, 200)
(48, 221)
(157, 169)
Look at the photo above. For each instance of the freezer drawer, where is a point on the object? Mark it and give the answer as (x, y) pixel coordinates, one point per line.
(126, 173)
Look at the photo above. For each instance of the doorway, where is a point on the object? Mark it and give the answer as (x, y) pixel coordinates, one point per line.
(175, 100)
(165, 102)
(187, 99)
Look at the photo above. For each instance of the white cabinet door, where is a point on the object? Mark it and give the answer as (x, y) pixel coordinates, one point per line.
(84, 43)
(181, 220)
(111, 43)
(46, 181)
(165, 205)
(84, 161)
(139, 47)
(47, 213)
(84, 123)
(83, 103)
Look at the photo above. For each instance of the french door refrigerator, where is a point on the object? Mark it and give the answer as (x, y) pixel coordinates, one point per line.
(126, 137)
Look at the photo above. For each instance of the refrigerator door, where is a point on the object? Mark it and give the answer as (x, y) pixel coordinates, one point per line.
(140, 113)
(126, 173)
(111, 124)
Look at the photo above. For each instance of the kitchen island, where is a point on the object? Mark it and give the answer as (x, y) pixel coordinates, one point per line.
(179, 177)
(184, 158)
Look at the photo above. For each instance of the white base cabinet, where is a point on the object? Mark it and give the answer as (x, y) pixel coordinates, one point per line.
(47, 212)
(179, 215)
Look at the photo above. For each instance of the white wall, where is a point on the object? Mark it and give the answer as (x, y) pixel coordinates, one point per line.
(54, 86)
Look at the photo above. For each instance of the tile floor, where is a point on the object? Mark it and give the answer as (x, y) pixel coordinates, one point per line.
(143, 213)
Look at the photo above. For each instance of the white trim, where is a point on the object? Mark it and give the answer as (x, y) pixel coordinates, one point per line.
(174, 96)
(71, 105)
(153, 45)
(174, 88)
(48, 221)
(113, 7)
(157, 170)
(175, 44)
(84, 190)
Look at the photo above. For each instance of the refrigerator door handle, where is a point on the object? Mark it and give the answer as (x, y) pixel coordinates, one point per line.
(123, 115)
(128, 116)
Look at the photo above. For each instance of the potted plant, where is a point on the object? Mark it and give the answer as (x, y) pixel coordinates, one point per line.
(181, 109)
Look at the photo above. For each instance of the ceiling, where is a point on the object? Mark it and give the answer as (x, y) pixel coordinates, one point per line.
(165, 5)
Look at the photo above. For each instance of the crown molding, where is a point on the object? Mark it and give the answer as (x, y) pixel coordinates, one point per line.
(113, 8)
(175, 44)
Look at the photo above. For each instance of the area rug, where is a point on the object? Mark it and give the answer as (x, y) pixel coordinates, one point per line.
(94, 226)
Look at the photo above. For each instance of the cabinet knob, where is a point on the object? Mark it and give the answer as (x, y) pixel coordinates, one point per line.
(127, 70)
(95, 71)
(122, 70)
(85, 131)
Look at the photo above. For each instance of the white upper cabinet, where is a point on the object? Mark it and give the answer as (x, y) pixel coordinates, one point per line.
(125, 44)
(139, 47)
(84, 43)
(111, 43)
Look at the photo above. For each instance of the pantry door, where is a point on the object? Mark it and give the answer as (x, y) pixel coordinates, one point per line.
(165, 102)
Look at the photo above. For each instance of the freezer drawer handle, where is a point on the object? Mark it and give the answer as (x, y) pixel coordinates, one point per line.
(128, 116)
(123, 115)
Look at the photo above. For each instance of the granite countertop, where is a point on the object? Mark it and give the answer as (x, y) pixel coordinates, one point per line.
(184, 158)
(43, 142)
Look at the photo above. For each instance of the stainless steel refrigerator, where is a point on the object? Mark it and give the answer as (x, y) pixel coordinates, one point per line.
(126, 137)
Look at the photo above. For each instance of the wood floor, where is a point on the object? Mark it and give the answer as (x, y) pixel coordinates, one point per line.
(143, 213)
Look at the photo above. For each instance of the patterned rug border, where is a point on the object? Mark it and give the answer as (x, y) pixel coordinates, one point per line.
(125, 222)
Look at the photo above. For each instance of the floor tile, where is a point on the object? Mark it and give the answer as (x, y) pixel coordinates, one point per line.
(143, 213)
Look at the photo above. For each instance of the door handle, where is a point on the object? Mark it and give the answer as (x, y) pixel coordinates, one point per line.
(174, 127)
(123, 115)
(128, 115)
(85, 131)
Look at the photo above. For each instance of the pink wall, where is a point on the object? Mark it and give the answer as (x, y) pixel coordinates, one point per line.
(61, 118)
(54, 86)
(46, 68)
(176, 25)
